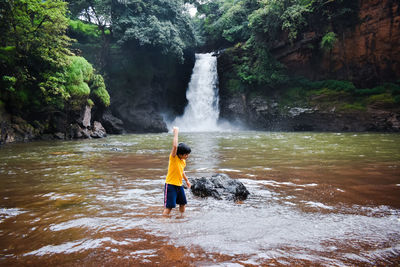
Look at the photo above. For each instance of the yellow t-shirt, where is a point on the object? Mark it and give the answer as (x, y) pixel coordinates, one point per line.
(175, 170)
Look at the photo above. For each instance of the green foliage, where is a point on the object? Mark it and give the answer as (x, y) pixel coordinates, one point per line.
(348, 107)
(294, 20)
(53, 89)
(90, 102)
(255, 66)
(77, 76)
(385, 98)
(334, 85)
(235, 86)
(9, 83)
(328, 41)
(335, 14)
(341, 96)
(99, 91)
(293, 96)
(94, 11)
(275, 17)
(36, 29)
(34, 47)
(226, 20)
(266, 22)
(7, 55)
(74, 85)
(234, 23)
(160, 24)
(84, 31)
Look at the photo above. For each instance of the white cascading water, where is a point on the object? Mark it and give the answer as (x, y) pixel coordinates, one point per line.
(202, 112)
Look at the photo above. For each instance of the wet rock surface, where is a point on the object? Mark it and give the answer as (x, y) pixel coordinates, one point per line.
(112, 124)
(58, 127)
(219, 186)
(261, 114)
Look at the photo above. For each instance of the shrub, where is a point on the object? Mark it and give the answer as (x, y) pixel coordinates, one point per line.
(78, 74)
(328, 41)
(9, 82)
(382, 98)
(352, 107)
(371, 91)
(83, 31)
(99, 91)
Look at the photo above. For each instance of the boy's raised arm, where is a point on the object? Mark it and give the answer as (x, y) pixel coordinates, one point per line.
(175, 131)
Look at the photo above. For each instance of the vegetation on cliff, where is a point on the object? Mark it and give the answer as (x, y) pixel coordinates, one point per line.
(40, 76)
(54, 55)
(250, 32)
(145, 49)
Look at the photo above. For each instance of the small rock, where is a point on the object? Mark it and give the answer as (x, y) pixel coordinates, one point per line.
(59, 135)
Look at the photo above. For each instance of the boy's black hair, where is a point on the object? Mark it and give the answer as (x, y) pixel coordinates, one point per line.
(183, 149)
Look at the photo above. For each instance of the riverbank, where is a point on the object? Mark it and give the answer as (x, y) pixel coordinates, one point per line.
(268, 113)
(60, 126)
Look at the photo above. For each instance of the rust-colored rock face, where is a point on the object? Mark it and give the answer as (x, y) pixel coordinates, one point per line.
(366, 54)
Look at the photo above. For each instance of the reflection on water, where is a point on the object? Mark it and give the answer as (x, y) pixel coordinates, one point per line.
(205, 158)
(316, 199)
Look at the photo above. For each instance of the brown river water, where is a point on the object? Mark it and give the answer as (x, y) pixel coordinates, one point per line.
(317, 199)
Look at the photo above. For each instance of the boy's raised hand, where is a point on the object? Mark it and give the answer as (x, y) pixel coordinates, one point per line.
(175, 131)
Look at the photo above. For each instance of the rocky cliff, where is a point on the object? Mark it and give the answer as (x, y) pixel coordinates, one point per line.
(82, 124)
(263, 113)
(367, 53)
(145, 85)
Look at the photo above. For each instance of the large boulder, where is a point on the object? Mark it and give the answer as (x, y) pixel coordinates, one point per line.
(219, 186)
(112, 124)
(141, 117)
(16, 129)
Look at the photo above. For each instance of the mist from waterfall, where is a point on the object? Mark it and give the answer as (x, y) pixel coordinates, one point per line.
(202, 112)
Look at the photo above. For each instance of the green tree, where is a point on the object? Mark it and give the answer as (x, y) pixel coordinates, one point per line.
(157, 24)
(328, 41)
(225, 22)
(34, 49)
(94, 12)
(38, 72)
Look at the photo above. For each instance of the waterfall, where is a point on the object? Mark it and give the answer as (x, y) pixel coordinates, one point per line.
(202, 112)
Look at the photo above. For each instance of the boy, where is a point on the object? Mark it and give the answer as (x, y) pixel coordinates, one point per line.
(173, 190)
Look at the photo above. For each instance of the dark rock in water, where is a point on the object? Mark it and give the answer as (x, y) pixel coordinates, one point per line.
(57, 135)
(140, 118)
(219, 186)
(112, 124)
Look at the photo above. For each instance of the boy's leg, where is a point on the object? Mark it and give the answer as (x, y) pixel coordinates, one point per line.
(182, 208)
(181, 199)
(169, 199)
(167, 211)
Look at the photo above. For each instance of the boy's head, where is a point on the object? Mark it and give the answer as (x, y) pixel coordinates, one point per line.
(183, 150)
